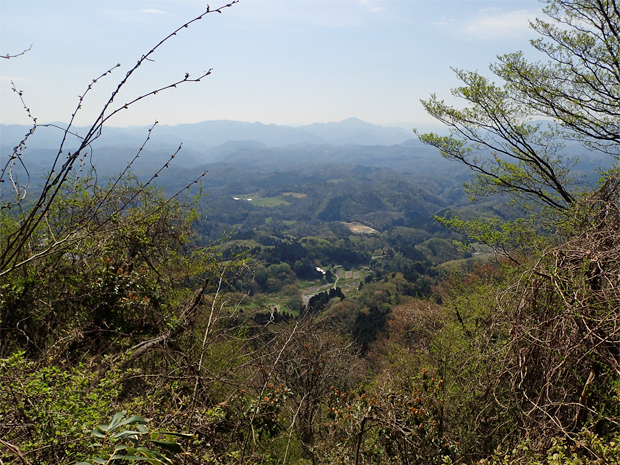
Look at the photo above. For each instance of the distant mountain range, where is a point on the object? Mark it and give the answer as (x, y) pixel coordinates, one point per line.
(254, 147)
(209, 134)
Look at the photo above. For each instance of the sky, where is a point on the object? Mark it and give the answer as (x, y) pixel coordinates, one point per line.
(291, 62)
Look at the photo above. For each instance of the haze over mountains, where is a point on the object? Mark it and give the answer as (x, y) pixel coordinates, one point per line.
(209, 134)
(253, 146)
(267, 146)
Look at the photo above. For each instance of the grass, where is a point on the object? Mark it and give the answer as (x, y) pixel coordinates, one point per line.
(269, 202)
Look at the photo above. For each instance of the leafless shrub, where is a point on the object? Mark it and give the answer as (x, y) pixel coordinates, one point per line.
(564, 357)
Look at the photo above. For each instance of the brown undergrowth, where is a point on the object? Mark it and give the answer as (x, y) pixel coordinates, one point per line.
(563, 364)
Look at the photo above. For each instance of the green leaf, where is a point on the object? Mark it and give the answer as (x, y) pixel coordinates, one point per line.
(170, 446)
(114, 423)
(154, 454)
(135, 458)
(131, 420)
(181, 435)
(126, 434)
(98, 433)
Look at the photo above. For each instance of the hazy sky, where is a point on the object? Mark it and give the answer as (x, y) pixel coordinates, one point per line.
(274, 61)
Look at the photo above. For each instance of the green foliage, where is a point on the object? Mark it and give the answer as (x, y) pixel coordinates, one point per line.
(537, 343)
(113, 434)
(121, 272)
(506, 153)
(467, 350)
(383, 198)
(577, 86)
(586, 448)
(45, 408)
(368, 324)
(89, 313)
(497, 135)
(504, 237)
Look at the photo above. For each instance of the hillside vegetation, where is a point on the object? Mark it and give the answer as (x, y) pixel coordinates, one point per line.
(288, 306)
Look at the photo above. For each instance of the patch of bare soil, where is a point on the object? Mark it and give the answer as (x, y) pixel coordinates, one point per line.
(359, 228)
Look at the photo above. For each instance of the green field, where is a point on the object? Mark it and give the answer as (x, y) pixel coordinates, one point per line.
(269, 202)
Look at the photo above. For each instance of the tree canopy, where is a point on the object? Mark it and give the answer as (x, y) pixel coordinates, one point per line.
(513, 134)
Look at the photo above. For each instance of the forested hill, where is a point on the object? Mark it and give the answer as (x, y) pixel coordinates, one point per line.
(294, 176)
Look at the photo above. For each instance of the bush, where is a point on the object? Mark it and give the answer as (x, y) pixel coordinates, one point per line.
(47, 410)
(587, 448)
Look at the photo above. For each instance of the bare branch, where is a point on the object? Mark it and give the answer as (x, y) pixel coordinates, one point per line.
(8, 56)
(59, 173)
